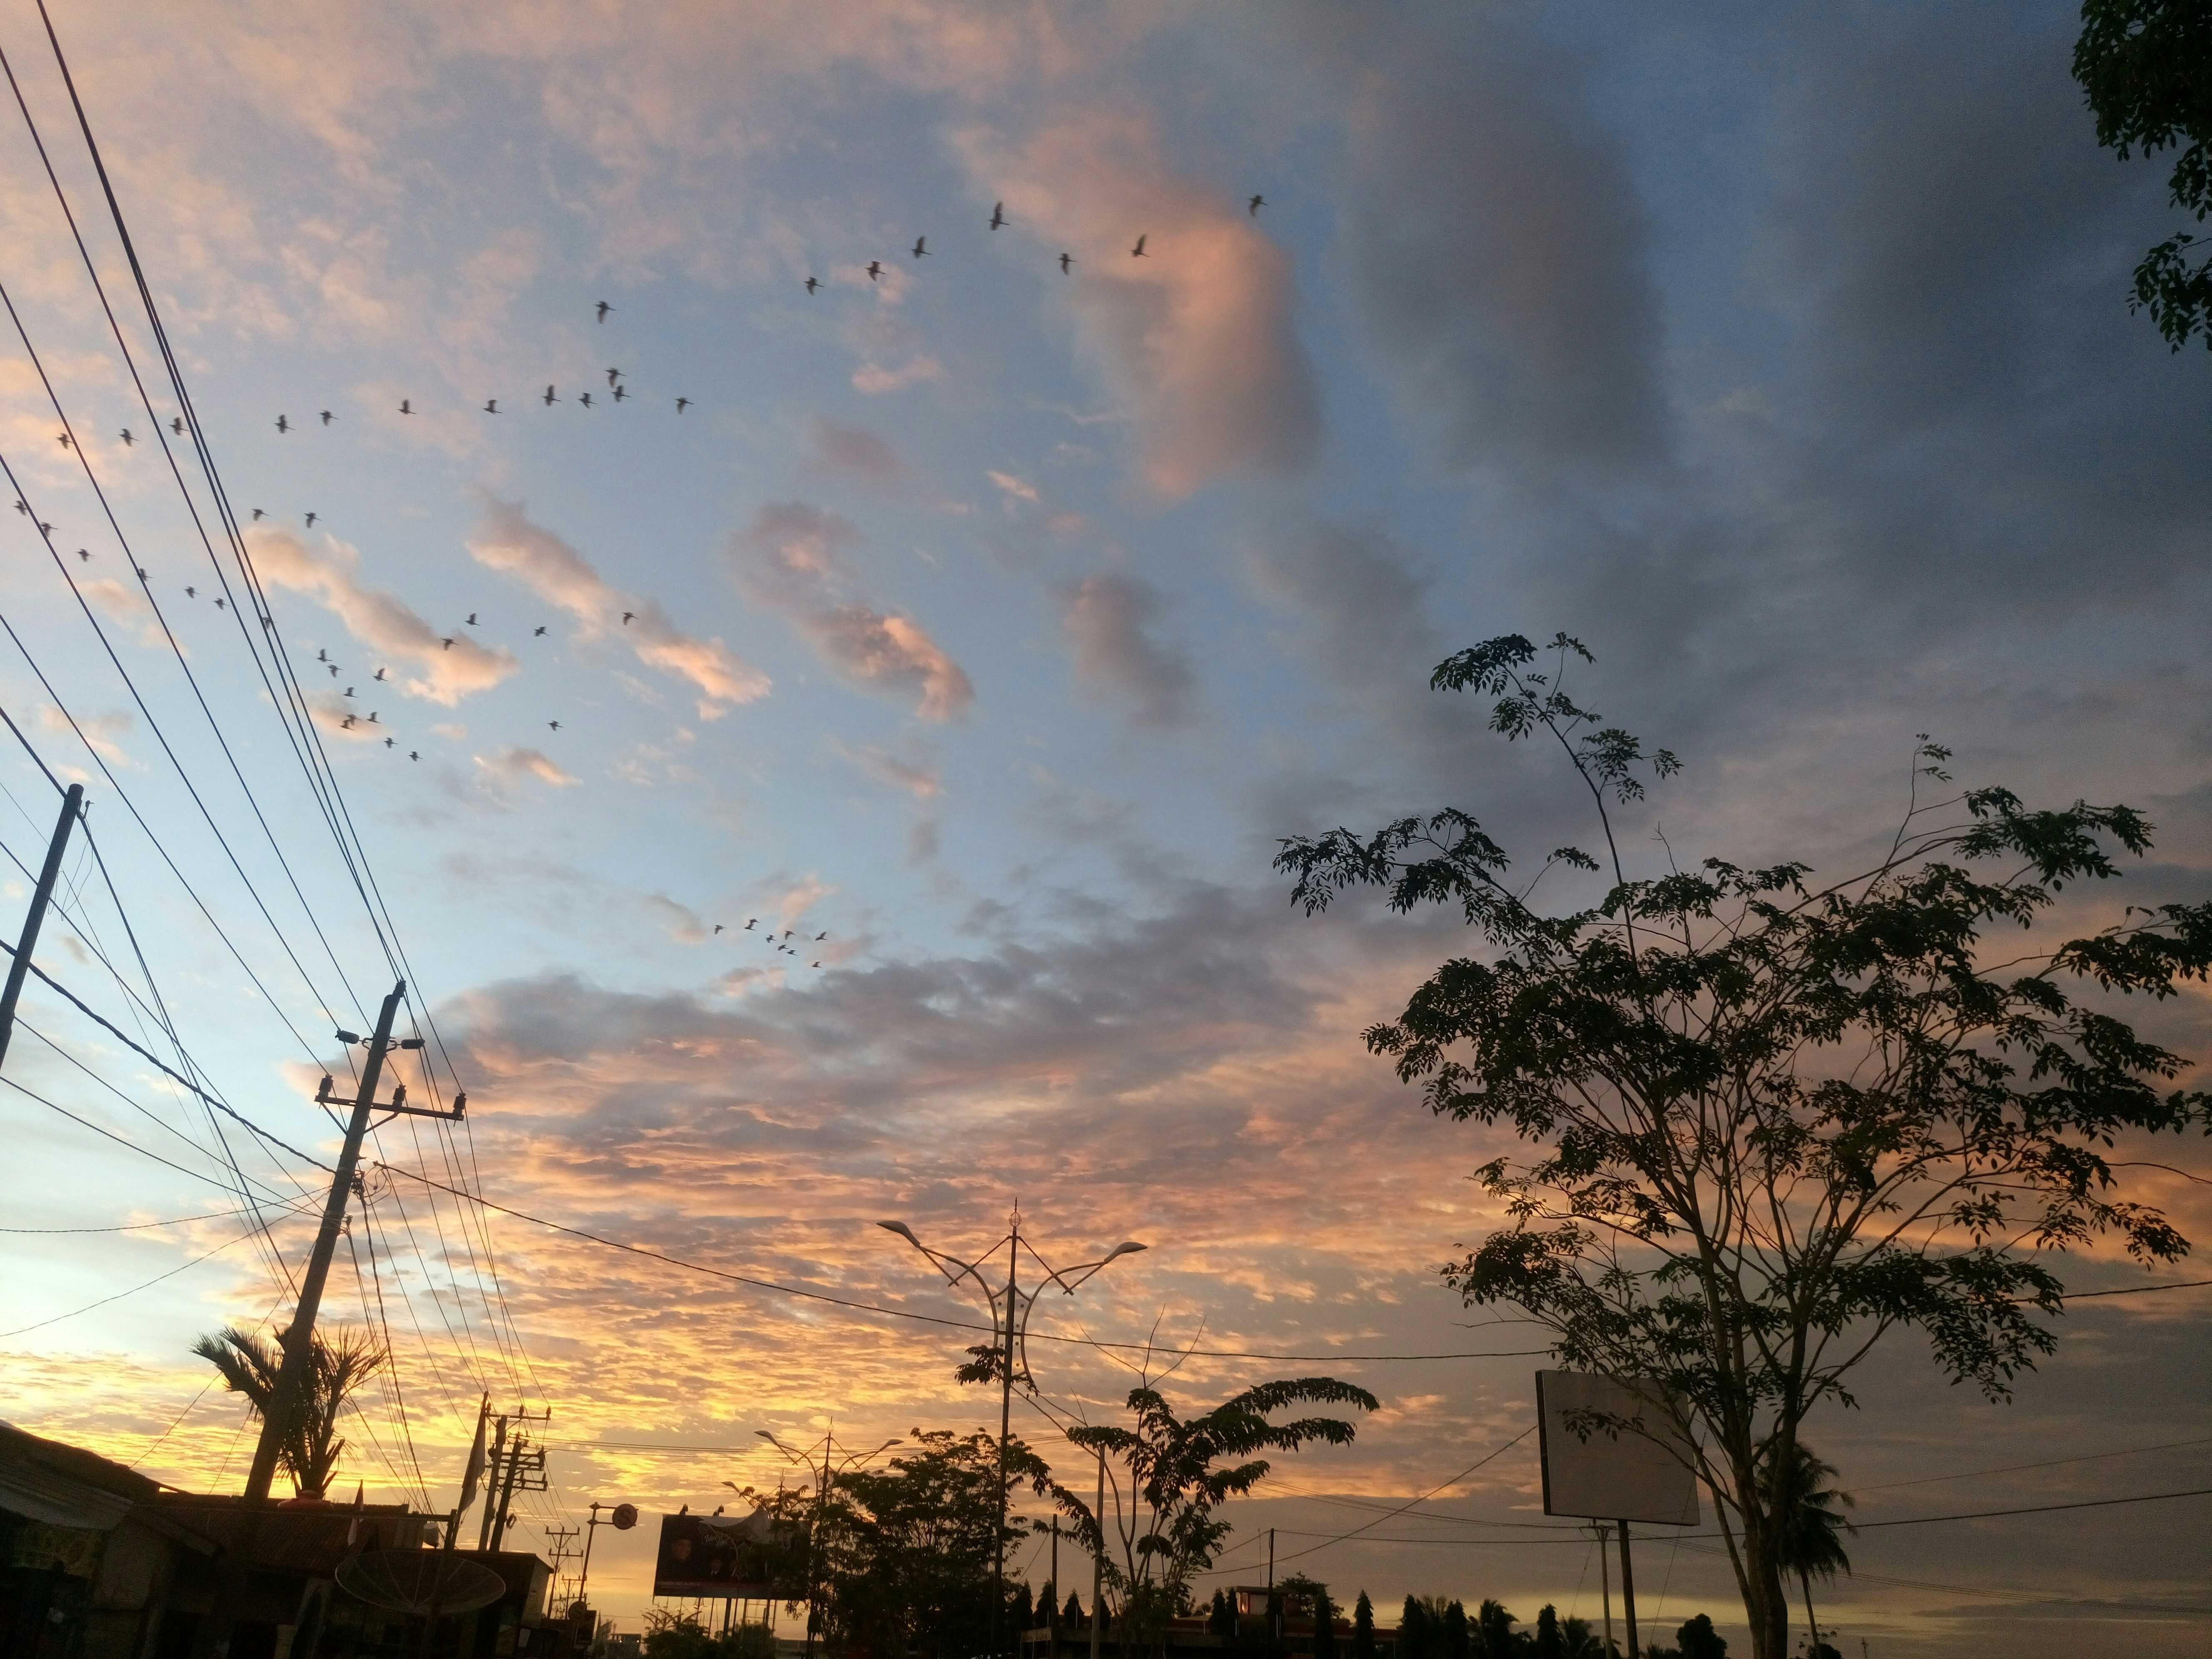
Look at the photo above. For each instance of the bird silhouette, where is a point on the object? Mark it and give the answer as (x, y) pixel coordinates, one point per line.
(875, 269)
(84, 556)
(177, 425)
(537, 632)
(446, 643)
(1138, 251)
(127, 439)
(748, 923)
(348, 690)
(322, 654)
(627, 615)
(491, 405)
(585, 400)
(328, 417)
(346, 725)
(685, 1510)
(998, 215)
(813, 965)
(46, 529)
(554, 725)
(1253, 206)
(718, 927)
(388, 742)
(603, 308)
(194, 592)
(549, 398)
(378, 675)
(813, 283)
(64, 440)
(471, 619)
(221, 604)
(413, 756)
(921, 247)
(259, 514)
(1066, 260)
(683, 403)
(819, 937)
(372, 717)
(406, 406)
(282, 424)
(334, 671)
(613, 374)
(310, 521)
(621, 391)
(787, 932)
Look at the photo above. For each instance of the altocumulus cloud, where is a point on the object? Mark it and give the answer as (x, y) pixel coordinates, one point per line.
(506, 540)
(1107, 619)
(788, 560)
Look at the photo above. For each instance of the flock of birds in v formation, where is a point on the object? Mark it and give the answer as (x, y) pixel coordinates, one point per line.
(619, 393)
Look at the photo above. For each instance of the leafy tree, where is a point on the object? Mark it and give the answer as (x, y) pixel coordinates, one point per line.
(1417, 1634)
(1022, 1607)
(1779, 1120)
(1168, 1475)
(1363, 1628)
(1578, 1641)
(1494, 1626)
(1812, 1527)
(1298, 1589)
(1071, 1614)
(1698, 1639)
(1221, 1620)
(1548, 1642)
(310, 1448)
(2145, 68)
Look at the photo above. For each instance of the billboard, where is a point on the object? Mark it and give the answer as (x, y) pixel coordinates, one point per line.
(752, 1557)
(1611, 1451)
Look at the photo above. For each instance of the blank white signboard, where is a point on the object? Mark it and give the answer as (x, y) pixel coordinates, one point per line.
(1620, 1472)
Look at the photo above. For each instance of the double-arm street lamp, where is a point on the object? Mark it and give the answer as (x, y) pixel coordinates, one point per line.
(1010, 1307)
(831, 1467)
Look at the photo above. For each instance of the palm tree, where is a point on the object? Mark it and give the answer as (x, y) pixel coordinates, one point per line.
(1811, 1540)
(310, 1448)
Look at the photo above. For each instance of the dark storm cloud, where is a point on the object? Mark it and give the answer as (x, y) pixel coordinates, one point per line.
(1108, 619)
(1495, 244)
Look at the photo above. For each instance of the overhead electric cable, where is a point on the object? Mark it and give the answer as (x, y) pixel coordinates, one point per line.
(57, 1319)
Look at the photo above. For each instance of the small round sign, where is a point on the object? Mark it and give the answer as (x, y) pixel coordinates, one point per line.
(625, 1516)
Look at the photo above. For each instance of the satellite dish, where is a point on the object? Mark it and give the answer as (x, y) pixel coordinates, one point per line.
(415, 1581)
(625, 1516)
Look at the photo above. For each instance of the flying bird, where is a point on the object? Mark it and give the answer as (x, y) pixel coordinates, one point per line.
(413, 756)
(748, 923)
(875, 269)
(491, 405)
(683, 403)
(819, 937)
(603, 308)
(64, 440)
(585, 400)
(194, 592)
(177, 425)
(346, 725)
(627, 615)
(259, 514)
(813, 283)
(322, 654)
(550, 399)
(328, 417)
(537, 632)
(621, 391)
(471, 619)
(349, 689)
(372, 717)
(921, 247)
(718, 927)
(613, 374)
(446, 643)
(1138, 251)
(220, 605)
(334, 671)
(998, 215)
(406, 406)
(813, 965)
(388, 742)
(554, 725)
(378, 675)
(1253, 206)
(46, 530)
(310, 521)
(282, 424)
(1066, 260)
(84, 556)
(127, 439)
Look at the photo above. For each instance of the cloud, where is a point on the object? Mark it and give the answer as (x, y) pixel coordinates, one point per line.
(847, 451)
(788, 560)
(513, 764)
(387, 624)
(1196, 337)
(682, 922)
(506, 540)
(101, 733)
(338, 717)
(1106, 618)
(1013, 489)
(1495, 241)
(874, 380)
(917, 778)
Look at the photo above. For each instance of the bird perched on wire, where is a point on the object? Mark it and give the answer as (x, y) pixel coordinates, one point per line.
(283, 424)
(1253, 206)
(328, 417)
(1138, 251)
(998, 215)
(603, 308)
(921, 247)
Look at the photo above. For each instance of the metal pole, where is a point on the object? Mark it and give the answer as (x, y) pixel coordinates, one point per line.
(591, 1531)
(1605, 1584)
(72, 804)
(299, 1339)
(1098, 1560)
(491, 1484)
(1006, 1425)
(1274, 1624)
(1628, 1592)
(507, 1492)
(1052, 1612)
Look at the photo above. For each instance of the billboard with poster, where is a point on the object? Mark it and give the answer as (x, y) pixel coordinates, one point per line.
(748, 1558)
(1611, 1451)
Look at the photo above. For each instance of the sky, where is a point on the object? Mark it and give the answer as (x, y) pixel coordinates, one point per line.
(981, 624)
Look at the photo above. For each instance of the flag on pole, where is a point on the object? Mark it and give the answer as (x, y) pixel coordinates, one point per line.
(474, 1478)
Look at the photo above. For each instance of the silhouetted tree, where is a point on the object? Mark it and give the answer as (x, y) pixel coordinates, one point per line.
(1324, 1618)
(338, 1364)
(1458, 1640)
(1417, 1631)
(1222, 1620)
(1494, 1625)
(1549, 1644)
(1776, 1121)
(1363, 1628)
(1022, 1608)
(1812, 1528)
(1698, 1639)
(1071, 1614)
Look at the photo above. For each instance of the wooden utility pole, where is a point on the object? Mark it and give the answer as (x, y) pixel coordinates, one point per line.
(1099, 1561)
(72, 809)
(1605, 1585)
(293, 1374)
(1628, 1593)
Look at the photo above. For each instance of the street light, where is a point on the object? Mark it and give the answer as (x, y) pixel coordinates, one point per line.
(1010, 1307)
(806, 1461)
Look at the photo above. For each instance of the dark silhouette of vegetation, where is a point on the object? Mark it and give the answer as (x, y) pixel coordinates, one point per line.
(2145, 67)
(310, 1447)
(1812, 1543)
(1779, 1120)
(1363, 1628)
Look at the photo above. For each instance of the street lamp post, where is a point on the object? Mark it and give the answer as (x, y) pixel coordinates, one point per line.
(1010, 1307)
(823, 1476)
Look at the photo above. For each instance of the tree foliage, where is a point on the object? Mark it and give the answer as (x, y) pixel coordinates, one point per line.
(1775, 1120)
(2145, 68)
(311, 1446)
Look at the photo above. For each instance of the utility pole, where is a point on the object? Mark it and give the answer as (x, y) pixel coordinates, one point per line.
(292, 1375)
(1628, 1592)
(1052, 1611)
(1099, 1561)
(1005, 1427)
(72, 809)
(498, 1446)
(1604, 1585)
(559, 1547)
(517, 1467)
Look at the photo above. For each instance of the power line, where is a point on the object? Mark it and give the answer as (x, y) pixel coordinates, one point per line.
(57, 1318)
(2036, 1508)
(2051, 1463)
(133, 1227)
